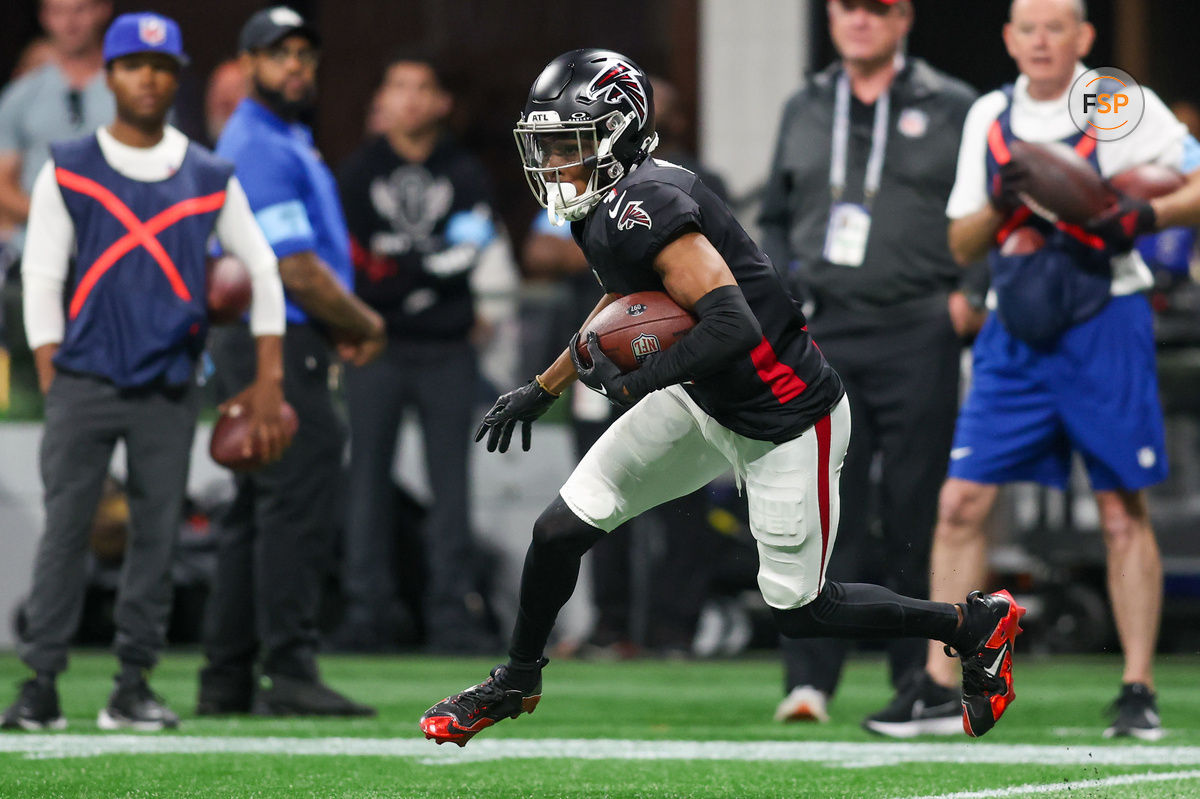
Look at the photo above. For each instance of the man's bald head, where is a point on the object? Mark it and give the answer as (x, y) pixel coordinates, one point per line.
(1078, 8)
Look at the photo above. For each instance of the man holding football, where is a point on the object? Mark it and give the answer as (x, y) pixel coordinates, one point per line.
(133, 206)
(758, 397)
(1051, 381)
(273, 539)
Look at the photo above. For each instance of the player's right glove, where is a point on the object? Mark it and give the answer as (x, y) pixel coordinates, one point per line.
(1123, 221)
(524, 405)
(1007, 184)
(603, 375)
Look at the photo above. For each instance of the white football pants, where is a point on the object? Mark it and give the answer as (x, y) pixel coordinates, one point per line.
(665, 447)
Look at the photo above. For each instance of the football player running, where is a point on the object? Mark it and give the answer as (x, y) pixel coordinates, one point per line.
(746, 388)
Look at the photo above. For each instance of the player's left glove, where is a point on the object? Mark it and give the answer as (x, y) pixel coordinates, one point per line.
(1123, 221)
(525, 405)
(603, 375)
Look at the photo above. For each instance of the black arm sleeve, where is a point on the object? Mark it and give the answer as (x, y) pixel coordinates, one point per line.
(727, 329)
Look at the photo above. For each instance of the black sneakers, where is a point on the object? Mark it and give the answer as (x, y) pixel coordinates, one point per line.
(133, 706)
(279, 695)
(224, 692)
(36, 708)
(1136, 714)
(920, 707)
(458, 718)
(991, 622)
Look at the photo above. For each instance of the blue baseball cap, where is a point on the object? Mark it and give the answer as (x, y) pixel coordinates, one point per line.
(144, 32)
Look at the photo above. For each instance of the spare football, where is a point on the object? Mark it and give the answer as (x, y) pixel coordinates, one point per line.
(1062, 183)
(1148, 181)
(1023, 241)
(228, 290)
(635, 327)
(229, 434)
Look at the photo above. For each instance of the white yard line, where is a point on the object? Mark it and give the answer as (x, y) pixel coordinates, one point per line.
(834, 754)
(1065, 787)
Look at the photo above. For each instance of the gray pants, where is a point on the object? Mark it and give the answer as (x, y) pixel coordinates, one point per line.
(85, 417)
(438, 380)
(276, 539)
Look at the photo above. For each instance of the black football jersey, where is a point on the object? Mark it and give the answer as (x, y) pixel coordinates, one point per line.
(781, 387)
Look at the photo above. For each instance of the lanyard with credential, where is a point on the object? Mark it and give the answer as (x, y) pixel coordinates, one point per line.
(841, 138)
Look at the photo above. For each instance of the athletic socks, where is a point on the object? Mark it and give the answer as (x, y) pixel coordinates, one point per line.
(863, 610)
(560, 538)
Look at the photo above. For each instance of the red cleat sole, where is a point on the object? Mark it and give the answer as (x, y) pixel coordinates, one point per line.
(442, 729)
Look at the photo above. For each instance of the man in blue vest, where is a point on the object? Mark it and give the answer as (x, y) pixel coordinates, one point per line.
(1053, 379)
(277, 537)
(116, 345)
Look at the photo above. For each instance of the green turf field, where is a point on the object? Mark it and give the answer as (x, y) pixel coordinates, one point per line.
(638, 729)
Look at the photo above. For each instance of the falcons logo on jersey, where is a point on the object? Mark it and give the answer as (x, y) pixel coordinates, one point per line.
(621, 81)
(632, 214)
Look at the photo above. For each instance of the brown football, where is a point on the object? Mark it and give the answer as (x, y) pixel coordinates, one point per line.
(229, 437)
(635, 327)
(228, 290)
(1061, 181)
(1148, 181)
(1023, 241)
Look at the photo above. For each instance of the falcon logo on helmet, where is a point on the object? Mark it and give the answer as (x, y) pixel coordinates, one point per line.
(621, 81)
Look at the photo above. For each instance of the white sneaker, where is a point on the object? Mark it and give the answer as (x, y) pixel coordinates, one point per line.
(804, 703)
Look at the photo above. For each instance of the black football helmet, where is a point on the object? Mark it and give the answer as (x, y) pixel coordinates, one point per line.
(595, 106)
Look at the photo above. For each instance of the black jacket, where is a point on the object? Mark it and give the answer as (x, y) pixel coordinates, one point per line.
(402, 216)
(907, 256)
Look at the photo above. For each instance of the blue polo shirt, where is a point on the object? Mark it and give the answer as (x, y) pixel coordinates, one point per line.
(292, 192)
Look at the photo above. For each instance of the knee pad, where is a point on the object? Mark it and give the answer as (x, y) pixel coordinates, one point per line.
(559, 528)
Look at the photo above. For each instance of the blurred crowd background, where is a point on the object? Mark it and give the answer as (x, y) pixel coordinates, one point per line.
(724, 70)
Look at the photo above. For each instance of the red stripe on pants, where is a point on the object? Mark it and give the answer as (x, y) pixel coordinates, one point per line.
(823, 428)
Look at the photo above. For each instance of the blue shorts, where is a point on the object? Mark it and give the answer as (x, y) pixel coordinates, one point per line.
(1095, 392)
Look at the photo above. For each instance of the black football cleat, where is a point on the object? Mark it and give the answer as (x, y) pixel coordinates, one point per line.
(992, 623)
(460, 717)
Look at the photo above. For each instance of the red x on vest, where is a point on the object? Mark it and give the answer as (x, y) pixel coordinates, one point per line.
(140, 233)
(1001, 153)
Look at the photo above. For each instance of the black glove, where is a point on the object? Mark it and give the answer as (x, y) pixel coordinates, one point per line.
(1007, 184)
(1123, 221)
(603, 375)
(524, 405)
